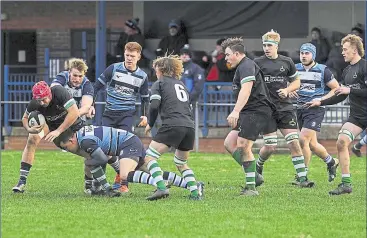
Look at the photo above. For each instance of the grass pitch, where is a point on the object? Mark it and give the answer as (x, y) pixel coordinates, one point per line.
(54, 204)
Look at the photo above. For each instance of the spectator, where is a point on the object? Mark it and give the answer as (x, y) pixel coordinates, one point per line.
(175, 41)
(321, 44)
(336, 61)
(131, 33)
(193, 75)
(219, 70)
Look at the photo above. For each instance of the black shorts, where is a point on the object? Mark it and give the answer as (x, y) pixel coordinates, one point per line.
(310, 118)
(252, 123)
(362, 123)
(281, 120)
(120, 120)
(133, 148)
(179, 137)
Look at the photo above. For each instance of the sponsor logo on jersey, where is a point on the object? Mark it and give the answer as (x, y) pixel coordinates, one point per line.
(124, 90)
(354, 86)
(54, 118)
(308, 87)
(273, 79)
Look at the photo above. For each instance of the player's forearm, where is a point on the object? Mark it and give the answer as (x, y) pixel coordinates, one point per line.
(25, 122)
(294, 86)
(241, 100)
(144, 107)
(86, 104)
(84, 110)
(333, 100)
(359, 92)
(70, 118)
(329, 95)
(153, 112)
(96, 87)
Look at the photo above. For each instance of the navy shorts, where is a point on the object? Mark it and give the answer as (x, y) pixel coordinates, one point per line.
(120, 119)
(310, 118)
(133, 148)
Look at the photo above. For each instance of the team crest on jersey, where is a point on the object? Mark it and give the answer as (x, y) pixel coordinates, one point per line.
(282, 69)
(355, 75)
(292, 122)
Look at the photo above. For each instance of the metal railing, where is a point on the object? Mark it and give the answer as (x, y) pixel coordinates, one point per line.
(341, 111)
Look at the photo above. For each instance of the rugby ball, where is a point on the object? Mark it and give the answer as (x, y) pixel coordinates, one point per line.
(35, 118)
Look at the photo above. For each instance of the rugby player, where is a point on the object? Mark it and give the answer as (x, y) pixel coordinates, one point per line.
(170, 99)
(317, 83)
(281, 77)
(354, 85)
(60, 111)
(253, 110)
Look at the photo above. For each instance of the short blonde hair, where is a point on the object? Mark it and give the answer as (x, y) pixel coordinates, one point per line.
(169, 65)
(79, 64)
(67, 62)
(271, 37)
(355, 41)
(133, 46)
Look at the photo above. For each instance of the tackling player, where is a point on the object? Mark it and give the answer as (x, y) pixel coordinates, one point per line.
(60, 112)
(281, 78)
(354, 84)
(100, 142)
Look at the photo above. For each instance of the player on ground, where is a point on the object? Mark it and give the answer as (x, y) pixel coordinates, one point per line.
(60, 112)
(123, 82)
(316, 79)
(96, 140)
(81, 89)
(170, 99)
(354, 84)
(253, 110)
(356, 149)
(281, 78)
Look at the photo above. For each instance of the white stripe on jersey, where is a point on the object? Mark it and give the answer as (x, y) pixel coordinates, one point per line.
(128, 79)
(314, 76)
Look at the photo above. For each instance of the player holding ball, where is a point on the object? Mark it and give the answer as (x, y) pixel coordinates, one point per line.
(60, 111)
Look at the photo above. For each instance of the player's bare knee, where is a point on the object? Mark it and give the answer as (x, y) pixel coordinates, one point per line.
(33, 141)
(230, 142)
(304, 142)
(295, 147)
(342, 143)
(270, 149)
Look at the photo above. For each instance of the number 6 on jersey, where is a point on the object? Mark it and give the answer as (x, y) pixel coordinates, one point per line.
(181, 93)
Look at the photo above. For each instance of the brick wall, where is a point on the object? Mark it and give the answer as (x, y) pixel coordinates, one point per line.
(53, 21)
(62, 15)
